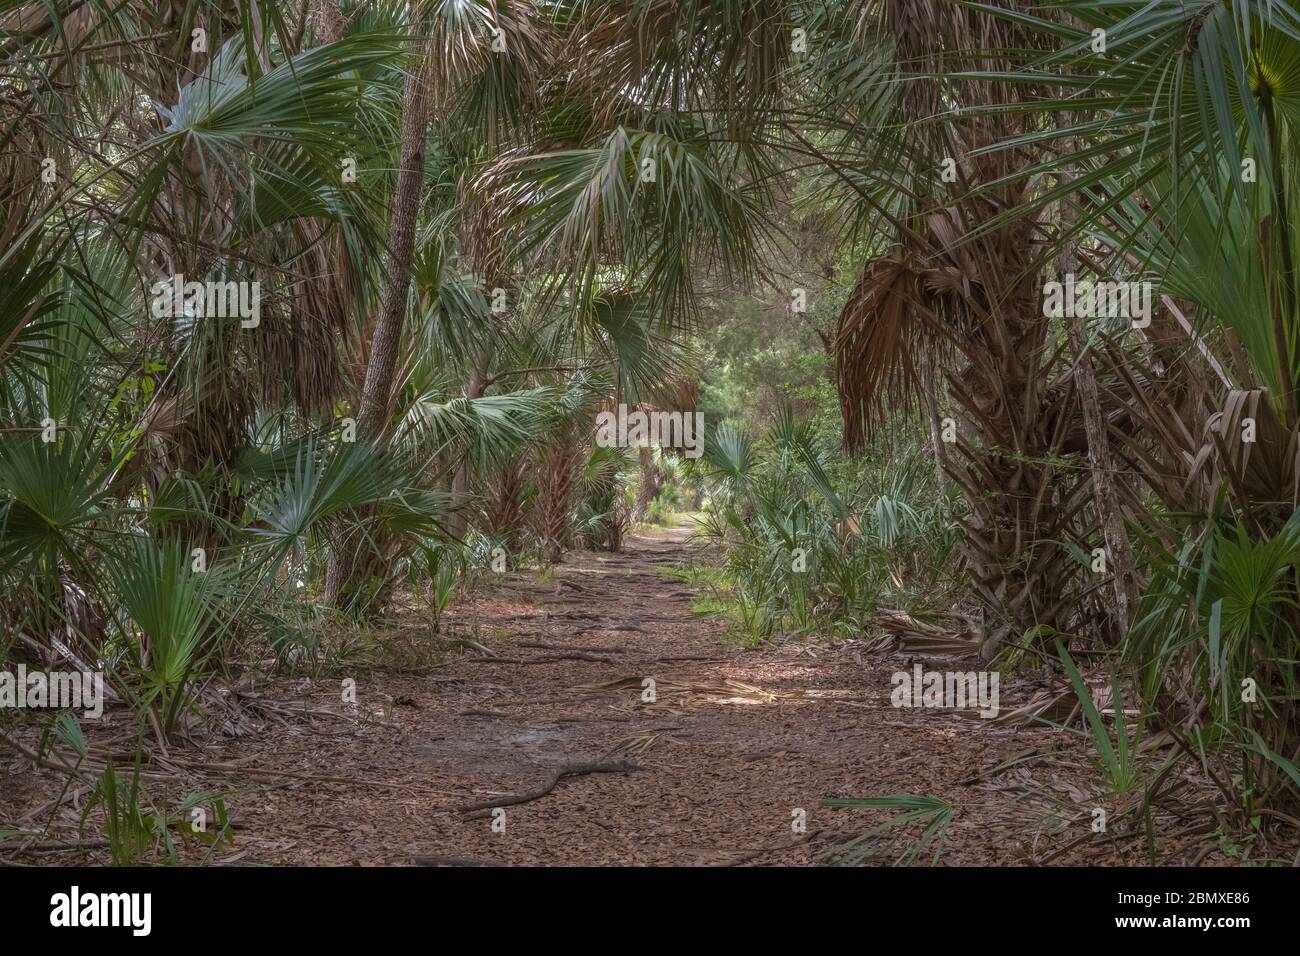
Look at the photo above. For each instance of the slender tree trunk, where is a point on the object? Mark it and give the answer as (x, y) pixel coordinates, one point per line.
(377, 389)
(328, 21)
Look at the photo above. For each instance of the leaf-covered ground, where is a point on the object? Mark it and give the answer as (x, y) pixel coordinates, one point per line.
(715, 770)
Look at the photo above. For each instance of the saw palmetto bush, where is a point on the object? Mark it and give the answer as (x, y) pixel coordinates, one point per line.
(1183, 172)
(1214, 645)
(806, 551)
(103, 573)
(603, 511)
(170, 488)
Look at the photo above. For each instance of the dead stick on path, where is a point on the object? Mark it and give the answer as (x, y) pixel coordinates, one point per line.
(62, 766)
(1064, 849)
(49, 846)
(484, 808)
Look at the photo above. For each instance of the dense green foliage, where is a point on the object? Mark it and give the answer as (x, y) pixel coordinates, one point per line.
(473, 225)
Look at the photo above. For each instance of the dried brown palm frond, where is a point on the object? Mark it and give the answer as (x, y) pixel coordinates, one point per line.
(950, 634)
(670, 692)
(1243, 450)
(877, 345)
(679, 391)
(1190, 442)
(957, 299)
(482, 230)
(297, 347)
(20, 171)
(1256, 457)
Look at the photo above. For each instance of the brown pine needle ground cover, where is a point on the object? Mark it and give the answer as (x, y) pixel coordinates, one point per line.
(544, 712)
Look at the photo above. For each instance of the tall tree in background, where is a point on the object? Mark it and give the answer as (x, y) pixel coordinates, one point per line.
(375, 410)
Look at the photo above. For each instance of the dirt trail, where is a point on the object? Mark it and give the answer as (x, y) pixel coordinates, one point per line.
(734, 744)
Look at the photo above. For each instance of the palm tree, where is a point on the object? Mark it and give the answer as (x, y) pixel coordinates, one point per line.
(1175, 127)
(184, 485)
(951, 292)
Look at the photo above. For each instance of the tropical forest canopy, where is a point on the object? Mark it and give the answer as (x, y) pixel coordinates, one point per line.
(308, 311)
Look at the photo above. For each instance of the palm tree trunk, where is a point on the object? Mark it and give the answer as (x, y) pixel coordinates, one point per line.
(376, 393)
(377, 389)
(328, 21)
(557, 481)
(505, 499)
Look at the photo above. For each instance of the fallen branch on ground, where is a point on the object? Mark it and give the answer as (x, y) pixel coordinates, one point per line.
(485, 807)
(51, 846)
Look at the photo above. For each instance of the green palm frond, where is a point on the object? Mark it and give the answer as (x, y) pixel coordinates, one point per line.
(935, 813)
